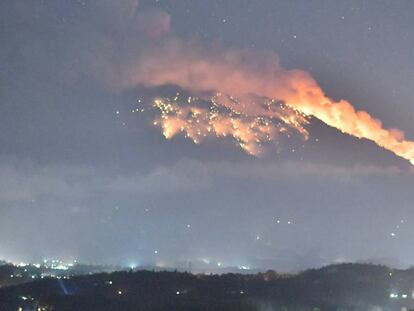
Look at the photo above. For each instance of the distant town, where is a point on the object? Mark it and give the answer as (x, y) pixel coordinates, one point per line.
(56, 285)
(14, 273)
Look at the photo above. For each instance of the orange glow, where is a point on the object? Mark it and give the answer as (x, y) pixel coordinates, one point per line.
(248, 129)
(241, 80)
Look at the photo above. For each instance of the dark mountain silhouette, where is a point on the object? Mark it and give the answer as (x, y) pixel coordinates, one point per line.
(335, 287)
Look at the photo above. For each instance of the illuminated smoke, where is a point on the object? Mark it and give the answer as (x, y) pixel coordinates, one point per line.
(250, 77)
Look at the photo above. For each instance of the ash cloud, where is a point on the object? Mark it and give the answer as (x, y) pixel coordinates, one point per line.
(248, 76)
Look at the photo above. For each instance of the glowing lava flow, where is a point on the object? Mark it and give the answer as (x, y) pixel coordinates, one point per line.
(252, 79)
(225, 116)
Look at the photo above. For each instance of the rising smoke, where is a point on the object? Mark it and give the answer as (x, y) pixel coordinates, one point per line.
(246, 82)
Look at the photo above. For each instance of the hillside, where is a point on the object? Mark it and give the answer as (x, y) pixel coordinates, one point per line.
(335, 287)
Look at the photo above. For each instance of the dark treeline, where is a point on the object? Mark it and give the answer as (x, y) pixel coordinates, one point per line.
(336, 287)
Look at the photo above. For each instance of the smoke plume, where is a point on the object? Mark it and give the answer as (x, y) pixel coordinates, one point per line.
(245, 80)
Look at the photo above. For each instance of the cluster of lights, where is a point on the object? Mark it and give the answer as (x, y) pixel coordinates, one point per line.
(45, 269)
(244, 268)
(395, 295)
(397, 228)
(56, 264)
(32, 300)
(250, 125)
(279, 221)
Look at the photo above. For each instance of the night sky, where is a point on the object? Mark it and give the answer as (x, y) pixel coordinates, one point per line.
(84, 175)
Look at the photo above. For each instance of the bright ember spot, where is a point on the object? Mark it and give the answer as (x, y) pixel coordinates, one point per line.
(250, 124)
